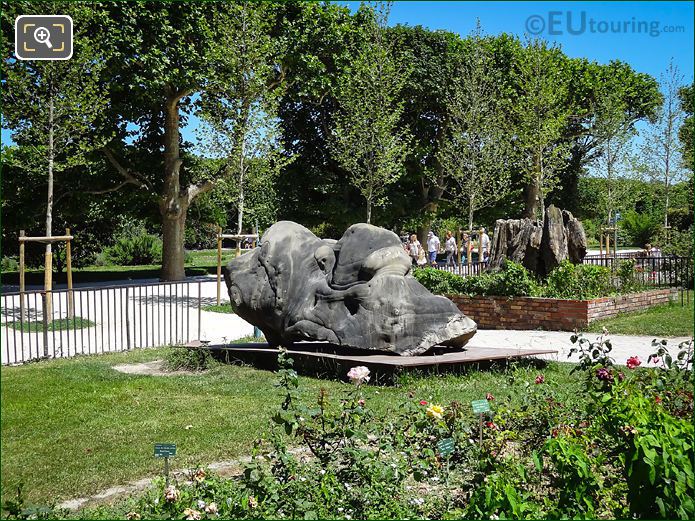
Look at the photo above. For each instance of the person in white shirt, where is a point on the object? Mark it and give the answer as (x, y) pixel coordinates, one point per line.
(414, 249)
(485, 241)
(433, 245)
(450, 247)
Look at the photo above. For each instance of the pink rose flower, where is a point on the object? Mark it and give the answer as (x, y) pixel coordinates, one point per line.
(633, 362)
(358, 375)
(540, 379)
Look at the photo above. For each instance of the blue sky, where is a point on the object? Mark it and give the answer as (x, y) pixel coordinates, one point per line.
(645, 53)
(649, 35)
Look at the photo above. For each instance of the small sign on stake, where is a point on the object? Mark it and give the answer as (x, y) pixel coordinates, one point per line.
(480, 407)
(446, 447)
(165, 450)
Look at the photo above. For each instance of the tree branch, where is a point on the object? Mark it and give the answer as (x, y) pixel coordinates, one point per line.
(130, 177)
(175, 95)
(108, 190)
(194, 191)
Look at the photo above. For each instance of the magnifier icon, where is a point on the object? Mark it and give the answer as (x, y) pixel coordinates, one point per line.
(42, 35)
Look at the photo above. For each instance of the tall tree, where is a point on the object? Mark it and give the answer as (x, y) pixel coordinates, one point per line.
(685, 133)
(661, 149)
(542, 114)
(166, 57)
(239, 109)
(614, 132)
(368, 140)
(587, 81)
(55, 109)
(475, 152)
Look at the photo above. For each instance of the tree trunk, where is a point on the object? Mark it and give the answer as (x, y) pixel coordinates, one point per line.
(426, 226)
(470, 215)
(172, 206)
(173, 255)
(530, 200)
(48, 266)
(369, 212)
(240, 209)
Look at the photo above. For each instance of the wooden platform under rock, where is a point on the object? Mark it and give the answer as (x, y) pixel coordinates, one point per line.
(321, 358)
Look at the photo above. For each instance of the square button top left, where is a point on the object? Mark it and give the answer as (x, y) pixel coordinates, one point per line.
(43, 37)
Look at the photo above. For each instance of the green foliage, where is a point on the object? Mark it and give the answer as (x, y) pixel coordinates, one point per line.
(686, 135)
(627, 275)
(188, 359)
(513, 280)
(542, 113)
(647, 417)
(9, 264)
(640, 227)
(326, 230)
(676, 243)
(133, 247)
(578, 281)
(476, 151)
(618, 444)
(368, 141)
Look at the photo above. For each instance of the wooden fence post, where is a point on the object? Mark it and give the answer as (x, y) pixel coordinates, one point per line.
(219, 262)
(480, 246)
(469, 251)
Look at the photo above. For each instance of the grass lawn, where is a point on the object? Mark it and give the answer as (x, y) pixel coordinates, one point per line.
(73, 427)
(55, 325)
(224, 307)
(659, 321)
(203, 260)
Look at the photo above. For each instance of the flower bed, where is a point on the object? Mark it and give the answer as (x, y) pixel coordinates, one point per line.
(621, 448)
(554, 314)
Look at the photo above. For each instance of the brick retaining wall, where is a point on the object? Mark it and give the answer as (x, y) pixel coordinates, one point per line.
(554, 314)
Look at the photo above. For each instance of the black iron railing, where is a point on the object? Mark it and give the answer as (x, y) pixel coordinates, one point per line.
(65, 323)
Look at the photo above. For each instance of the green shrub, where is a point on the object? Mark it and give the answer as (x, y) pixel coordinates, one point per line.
(629, 282)
(640, 227)
(580, 281)
(677, 243)
(133, 247)
(513, 280)
(439, 282)
(188, 359)
(9, 264)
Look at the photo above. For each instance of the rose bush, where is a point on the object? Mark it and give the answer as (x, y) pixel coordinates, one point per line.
(622, 448)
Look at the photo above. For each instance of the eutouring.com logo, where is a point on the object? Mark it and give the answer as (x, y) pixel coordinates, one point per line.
(576, 23)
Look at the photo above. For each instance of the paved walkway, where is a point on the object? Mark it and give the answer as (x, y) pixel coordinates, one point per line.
(624, 346)
(159, 314)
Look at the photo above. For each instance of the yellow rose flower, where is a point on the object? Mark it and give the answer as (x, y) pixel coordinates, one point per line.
(435, 411)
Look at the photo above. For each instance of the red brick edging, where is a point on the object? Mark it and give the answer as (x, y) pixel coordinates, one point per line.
(554, 314)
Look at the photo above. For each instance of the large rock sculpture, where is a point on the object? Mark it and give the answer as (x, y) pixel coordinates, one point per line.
(357, 292)
(539, 247)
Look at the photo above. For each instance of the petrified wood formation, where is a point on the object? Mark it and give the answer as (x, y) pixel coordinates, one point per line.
(357, 292)
(539, 247)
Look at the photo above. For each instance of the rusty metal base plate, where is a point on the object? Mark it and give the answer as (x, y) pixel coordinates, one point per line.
(328, 358)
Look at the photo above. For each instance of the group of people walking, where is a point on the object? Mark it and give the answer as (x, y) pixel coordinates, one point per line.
(421, 256)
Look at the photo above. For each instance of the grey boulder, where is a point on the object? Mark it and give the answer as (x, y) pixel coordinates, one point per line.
(357, 292)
